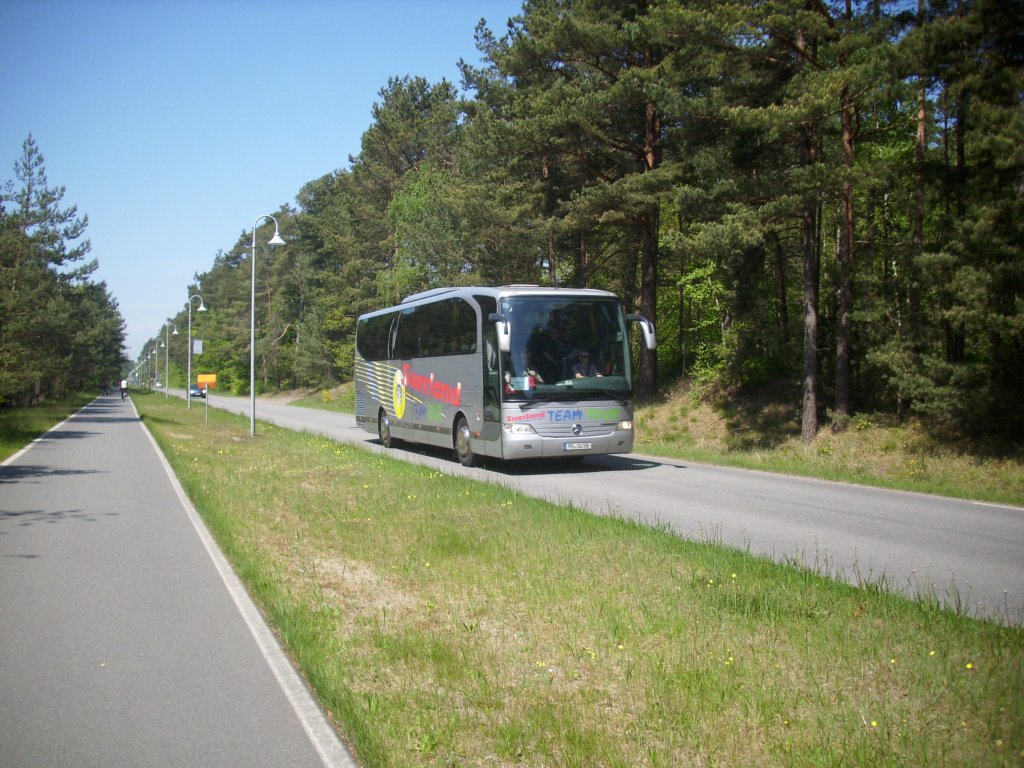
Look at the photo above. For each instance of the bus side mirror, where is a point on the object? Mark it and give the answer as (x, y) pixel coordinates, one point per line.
(504, 338)
(646, 330)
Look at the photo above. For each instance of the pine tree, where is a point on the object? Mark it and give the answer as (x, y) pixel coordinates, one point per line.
(45, 292)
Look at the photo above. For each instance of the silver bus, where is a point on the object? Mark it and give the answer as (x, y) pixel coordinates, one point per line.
(516, 372)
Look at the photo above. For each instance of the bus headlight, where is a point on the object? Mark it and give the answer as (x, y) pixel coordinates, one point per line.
(624, 426)
(519, 429)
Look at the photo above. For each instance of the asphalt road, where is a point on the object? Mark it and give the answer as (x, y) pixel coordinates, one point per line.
(125, 639)
(964, 553)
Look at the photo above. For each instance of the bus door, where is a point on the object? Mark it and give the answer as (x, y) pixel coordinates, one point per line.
(491, 433)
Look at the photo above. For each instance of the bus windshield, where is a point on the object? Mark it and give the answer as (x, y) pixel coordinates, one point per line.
(565, 347)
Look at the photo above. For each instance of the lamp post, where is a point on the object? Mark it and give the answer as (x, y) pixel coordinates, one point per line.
(188, 384)
(275, 240)
(167, 358)
(154, 356)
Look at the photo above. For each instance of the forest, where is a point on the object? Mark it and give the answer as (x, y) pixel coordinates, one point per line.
(826, 196)
(60, 331)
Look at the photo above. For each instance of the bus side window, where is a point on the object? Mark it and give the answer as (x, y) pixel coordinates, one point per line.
(406, 342)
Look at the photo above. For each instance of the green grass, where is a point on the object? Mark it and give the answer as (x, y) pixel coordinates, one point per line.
(444, 622)
(341, 398)
(20, 426)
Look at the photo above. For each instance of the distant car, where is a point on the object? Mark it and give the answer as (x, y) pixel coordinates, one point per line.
(196, 391)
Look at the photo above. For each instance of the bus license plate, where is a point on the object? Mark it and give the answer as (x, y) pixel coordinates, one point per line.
(576, 446)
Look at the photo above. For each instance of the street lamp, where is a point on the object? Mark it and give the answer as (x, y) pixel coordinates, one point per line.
(188, 384)
(275, 240)
(167, 358)
(154, 355)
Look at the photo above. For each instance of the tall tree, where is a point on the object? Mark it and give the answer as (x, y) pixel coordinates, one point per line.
(587, 76)
(968, 373)
(44, 290)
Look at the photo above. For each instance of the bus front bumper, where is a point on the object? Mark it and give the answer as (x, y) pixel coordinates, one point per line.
(532, 445)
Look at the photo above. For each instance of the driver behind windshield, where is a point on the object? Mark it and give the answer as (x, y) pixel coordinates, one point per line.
(584, 368)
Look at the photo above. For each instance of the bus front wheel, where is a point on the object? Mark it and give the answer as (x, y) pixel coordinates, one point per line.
(463, 449)
(384, 430)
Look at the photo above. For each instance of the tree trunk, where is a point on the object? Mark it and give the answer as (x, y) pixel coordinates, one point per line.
(649, 298)
(917, 216)
(844, 329)
(552, 270)
(649, 256)
(845, 320)
(780, 290)
(811, 281)
(583, 263)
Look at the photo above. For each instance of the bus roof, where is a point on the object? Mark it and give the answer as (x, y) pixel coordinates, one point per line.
(498, 292)
(515, 289)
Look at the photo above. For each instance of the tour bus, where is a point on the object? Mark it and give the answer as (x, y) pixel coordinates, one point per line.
(516, 372)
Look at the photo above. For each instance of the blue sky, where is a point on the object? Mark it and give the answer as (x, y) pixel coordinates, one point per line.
(174, 124)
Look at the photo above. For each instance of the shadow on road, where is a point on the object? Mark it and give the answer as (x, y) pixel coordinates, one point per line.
(66, 434)
(105, 412)
(103, 419)
(548, 466)
(14, 472)
(28, 517)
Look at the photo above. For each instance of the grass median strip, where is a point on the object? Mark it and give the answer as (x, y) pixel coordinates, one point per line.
(20, 426)
(445, 622)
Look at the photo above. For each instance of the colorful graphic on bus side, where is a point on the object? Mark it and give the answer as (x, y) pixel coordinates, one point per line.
(396, 387)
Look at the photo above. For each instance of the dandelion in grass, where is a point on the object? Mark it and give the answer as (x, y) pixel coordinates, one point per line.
(969, 665)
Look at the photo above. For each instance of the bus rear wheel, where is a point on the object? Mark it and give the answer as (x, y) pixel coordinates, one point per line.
(463, 448)
(384, 429)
